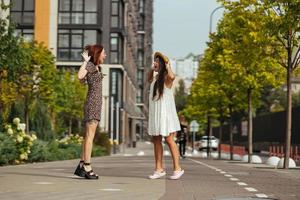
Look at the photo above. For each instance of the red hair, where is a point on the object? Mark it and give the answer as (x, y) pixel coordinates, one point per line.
(94, 51)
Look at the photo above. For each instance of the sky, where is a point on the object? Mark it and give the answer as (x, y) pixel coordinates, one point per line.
(181, 27)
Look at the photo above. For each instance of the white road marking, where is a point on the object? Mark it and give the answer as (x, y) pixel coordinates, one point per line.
(204, 164)
(234, 179)
(250, 189)
(241, 183)
(227, 175)
(43, 183)
(261, 195)
(111, 190)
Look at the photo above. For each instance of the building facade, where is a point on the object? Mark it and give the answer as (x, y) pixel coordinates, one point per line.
(123, 27)
(186, 69)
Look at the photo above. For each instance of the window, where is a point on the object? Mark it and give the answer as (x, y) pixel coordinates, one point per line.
(116, 85)
(140, 77)
(142, 6)
(78, 26)
(117, 12)
(27, 34)
(72, 42)
(22, 14)
(116, 48)
(139, 96)
(141, 23)
(141, 39)
(78, 12)
(140, 59)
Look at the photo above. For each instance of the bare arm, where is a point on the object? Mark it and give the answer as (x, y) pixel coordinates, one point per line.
(82, 70)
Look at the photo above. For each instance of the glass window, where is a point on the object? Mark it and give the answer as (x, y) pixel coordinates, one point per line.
(64, 5)
(76, 54)
(114, 57)
(63, 40)
(16, 17)
(113, 83)
(77, 18)
(139, 96)
(28, 18)
(90, 5)
(114, 44)
(79, 12)
(28, 5)
(22, 14)
(16, 5)
(117, 10)
(64, 18)
(72, 42)
(90, 18)
(141, 6)
(114, 21)
(90, 37)
(77, 5)
(76, 41)
(140, 58)
(114, 8)
(63, 54)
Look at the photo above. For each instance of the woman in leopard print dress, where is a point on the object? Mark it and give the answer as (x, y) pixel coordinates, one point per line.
(90, 72)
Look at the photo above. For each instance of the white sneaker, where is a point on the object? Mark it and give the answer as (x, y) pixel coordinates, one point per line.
(177, 174)
(157, 175)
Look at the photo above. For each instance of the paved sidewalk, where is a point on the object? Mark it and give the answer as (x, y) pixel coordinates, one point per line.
(124, 176)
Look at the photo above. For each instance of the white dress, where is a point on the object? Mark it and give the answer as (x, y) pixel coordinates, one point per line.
(163, 118)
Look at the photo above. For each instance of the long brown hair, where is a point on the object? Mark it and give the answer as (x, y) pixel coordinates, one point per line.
(94, 51)
(161, 77)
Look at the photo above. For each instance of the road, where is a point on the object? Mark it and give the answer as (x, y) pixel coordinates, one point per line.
(124, 176)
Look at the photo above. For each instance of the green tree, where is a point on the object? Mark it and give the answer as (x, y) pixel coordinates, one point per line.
(180, 96)
(249, 53)
(11, 58)
(282, 21)
(36, 78)
(69, 100)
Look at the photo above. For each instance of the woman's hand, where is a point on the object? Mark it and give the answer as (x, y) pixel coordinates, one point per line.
(86, 56)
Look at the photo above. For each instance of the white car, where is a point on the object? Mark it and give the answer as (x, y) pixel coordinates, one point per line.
(213, 142)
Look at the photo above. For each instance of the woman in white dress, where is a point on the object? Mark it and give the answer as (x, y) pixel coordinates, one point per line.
(163, 119)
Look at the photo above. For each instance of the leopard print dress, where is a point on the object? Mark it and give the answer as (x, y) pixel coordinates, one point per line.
(93, 102)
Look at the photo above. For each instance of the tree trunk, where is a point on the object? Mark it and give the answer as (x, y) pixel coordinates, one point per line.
(220, 137)
(288, 111)
(208, 134)
(70, 126)
(26, 115)
(250, 126)
(231, 141)
(231, 133)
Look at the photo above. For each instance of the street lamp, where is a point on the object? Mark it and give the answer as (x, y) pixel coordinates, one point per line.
(211, 18)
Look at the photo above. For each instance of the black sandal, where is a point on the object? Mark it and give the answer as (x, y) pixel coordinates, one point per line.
(79, 170)
(90, 174)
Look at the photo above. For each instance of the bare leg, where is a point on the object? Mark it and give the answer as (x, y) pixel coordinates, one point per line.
(158, 152)
(88, 143)
(174, 151)
(82, 150)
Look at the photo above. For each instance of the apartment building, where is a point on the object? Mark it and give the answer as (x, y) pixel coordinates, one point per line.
(123, 27)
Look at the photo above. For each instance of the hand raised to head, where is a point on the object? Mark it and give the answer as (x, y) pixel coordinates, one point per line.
(86, 56)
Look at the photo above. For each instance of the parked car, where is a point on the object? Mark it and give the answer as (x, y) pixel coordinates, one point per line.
(213, 142)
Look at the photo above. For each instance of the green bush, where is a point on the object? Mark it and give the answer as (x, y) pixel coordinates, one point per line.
(19, 142)
(54, 150)
(102, 140)
(8, 150)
